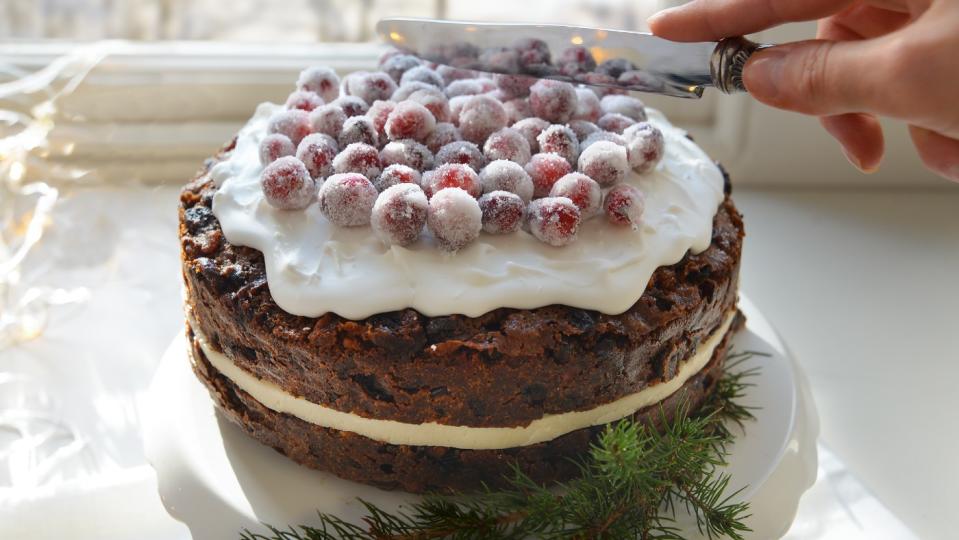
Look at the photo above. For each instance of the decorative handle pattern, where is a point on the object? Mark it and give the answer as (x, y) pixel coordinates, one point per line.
(728, 60)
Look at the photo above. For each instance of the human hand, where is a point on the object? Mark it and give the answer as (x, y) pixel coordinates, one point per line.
(895, 58)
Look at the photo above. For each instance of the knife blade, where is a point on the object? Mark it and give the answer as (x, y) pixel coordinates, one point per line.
(615, 58)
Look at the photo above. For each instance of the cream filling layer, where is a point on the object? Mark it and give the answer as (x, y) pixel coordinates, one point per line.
(543, 429)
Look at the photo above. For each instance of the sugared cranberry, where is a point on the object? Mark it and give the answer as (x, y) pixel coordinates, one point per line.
(553, 101)
(503, 212)
(358, 129)
(582, 190)
(614, 67)
(387, 54)
(396, 174)
(464, 87)
(605, 162)
(443, 134)
(407, 152)
(517, 109)
(378, 113)
(452, 175)
(450, 73)
(600, 83)
(624, 205)
(583, 129)
(422, 74)
(287, 185)
(533, 54)
(399, 64)
(370, 86)
(627, 106)
(531, 128)
(399, 214)
(514, 85)
(347, 199)
(554, 220)
(304, 100)
(322, 80)
(317, 151)
(587, 106)
(328, 119)
(561, 140)
(597, 136)
(480, 117)
(545, 170)
(507, 143)
(293, 123)
(352, 105)
(645, 146)
(614, 122)
(575, 60)
(642, 81)
(409, 120)
(505, 175)
(500, 60)
(434, 101)
(275, 146)
(406, 90)
(454, 218)
(463, 152)
(358, 158)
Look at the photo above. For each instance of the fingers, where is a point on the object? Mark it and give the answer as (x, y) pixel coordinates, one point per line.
(710, 20)
(861, 21)
(860, 136)
(940, 154)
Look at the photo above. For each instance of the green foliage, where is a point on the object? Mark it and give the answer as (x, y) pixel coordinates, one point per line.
(631, 484)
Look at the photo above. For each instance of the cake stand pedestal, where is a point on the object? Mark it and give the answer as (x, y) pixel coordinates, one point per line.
(218, 481)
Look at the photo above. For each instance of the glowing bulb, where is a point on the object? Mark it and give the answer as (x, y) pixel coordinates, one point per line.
(397, 37)
(577, 40)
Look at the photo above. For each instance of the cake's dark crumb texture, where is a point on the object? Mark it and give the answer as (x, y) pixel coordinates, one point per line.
(419, 469)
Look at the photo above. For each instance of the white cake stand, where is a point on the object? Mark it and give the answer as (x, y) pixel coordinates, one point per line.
(218, 481)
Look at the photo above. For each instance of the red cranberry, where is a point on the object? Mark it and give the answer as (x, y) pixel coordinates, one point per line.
(452, 175)
(464, 87)
(480, 117)
(575, 60)
(531, 128)
(582, 190)
(347, 199)
(507, 143)
(553, 101)
(293, 123)
(407, 152)
(379, 111)
(287, 185)
(587, 106)
(399, 214)
(352, 105)
(358, 158)
(503, 212)
(275, 146)
(561, 140)
(434, 101)
(499, 60)
(322, 80)
(450, 73)
(597, 136)
(514, 85)
(545, 170)
(454, 218)
(370, 86)
(645, 146)
(624, 205)
(358, 129)
(304, 100)
(406, 90)
(396, 174)
(399, 64)
(409, 120)
(533, 53)
(517, 109)
(614, 122)
(554, 220)
(443, 134)
(605, 162)
(328, 119)
(317, 151)
(387, 54)
(583, 129)
(628, 106)
(504, 175)
(463, 152)
(456, 107)
(422, 74)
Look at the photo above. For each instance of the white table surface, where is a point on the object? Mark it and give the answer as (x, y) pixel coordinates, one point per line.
(861, 285)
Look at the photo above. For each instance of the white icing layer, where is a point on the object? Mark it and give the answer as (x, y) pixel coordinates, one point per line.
(314, 267)
(543, 429)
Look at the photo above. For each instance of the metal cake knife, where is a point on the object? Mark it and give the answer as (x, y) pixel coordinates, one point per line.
(629, 60)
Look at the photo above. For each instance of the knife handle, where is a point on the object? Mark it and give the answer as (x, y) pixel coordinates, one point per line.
(727, 62)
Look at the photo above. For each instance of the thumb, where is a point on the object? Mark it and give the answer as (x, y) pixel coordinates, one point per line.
(814, 77)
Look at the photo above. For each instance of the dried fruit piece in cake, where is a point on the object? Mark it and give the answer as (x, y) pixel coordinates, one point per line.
(275, 146)
(352, 105)
(507, 143)
(644, 146)
(317, 151)
(320, 79)
(503, 212)
(480, 117)
(587, 105)
(396, 174)
(624, 205)
(627, 106)
(358, 158)
(553, 101)
(553, 220)
(304, 100)
(287, 185)
(293, 123)
(605, 162)
(407, 152)
(505, 175)
(531, 128)
(452, 175)
(328, 119)
(559, 139)
(443, 134)
(614, 122)
(423, 74)
(347, 199)
(454, 218)
(399, 214)
(409, 120)
(582, 190)
(358, 129)
(463, 152)
(545, 170)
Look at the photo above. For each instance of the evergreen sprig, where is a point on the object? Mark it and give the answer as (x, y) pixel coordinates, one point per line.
(630, 485)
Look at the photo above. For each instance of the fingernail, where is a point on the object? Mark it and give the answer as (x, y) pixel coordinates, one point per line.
(764, 71)
(659, 15)
(857, 163)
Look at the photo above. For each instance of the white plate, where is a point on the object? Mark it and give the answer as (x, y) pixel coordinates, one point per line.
(217, 480)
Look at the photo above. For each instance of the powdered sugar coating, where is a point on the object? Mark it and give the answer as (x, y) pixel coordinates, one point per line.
(396, 174)
(275, 146)
(464, 87)
(293, 123)
(614, 122)
(463, 152)
(379, 111)
(358, 129)
(409, 120)
(582, 129)
(452, 175)
(321, 80)
(624, 205)
(553, 101)
(531, 128)
(544, 170)
(605, 162)
(517, 109)
(645, 147)
(480, 117)
(358, 158)
(503, 212)
(505, 175)
(587, 106)
(407, 152)
(554, 220)
(507, 143)
(352, 105)
(347, 199)
(628, 106)
(435, 101)
(592, 138)
(399, 64)
(514, 85)
(454, 218)
(317, 152)
(287, 185)
(559, 139)
(328, 119)
(399, 214)
(370, 86)
(406, 90)
(456, 107)
(585, 193)
(422, 74)
(304, 100)
(450, 73)
(443, 134)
